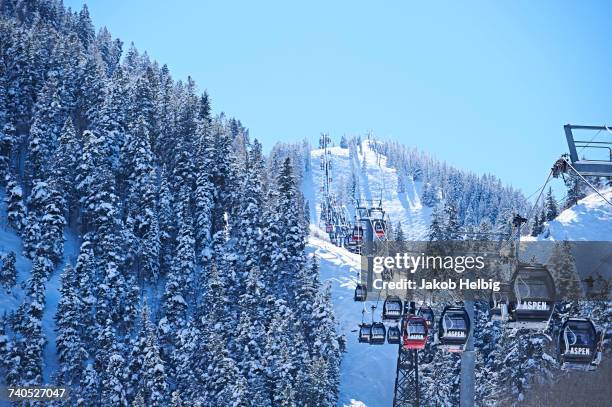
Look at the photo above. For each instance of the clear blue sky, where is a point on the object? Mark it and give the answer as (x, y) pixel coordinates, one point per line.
(484, 85)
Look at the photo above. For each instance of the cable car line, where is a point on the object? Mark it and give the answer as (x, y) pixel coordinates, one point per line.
(587, 182)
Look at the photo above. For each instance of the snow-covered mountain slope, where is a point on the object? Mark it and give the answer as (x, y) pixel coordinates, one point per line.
(589, 220)
(374, 182)
(367, 372)
(10, 300)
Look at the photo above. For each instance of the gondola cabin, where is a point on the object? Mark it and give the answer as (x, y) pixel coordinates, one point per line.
(453, 329)
(392, 308)
(361, 293)
(379, 228)
(532, 301)
(357, 235)
(346, 241)
(394, 335)
(365, 333)
(427, 314)
(578, 344)
(414, 333)
(378, 334)
(498, 305)
(329, 228)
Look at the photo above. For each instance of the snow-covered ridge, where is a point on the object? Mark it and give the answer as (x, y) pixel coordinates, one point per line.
(374, 181)
(589, 220)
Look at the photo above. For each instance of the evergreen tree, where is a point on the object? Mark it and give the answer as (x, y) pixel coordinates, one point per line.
(30, 325)
(167, 224)
(70, 347)
(251, 208)
(551, 206)
(16, 212)
(85, 28)
(65, 162)
(89, 389)
(343, 142)
(86, 280)
(452, 223)
(8, 273)
(436, 228)
(45, 130)
(113, 384)
(204, 192)
(155, 385)
(138, 344)
(399, 233)
(575, 190)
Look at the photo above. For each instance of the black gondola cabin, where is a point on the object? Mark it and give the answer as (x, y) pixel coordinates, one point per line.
(453, 329)
(578, 344)
(392, 308)
(532, 298)
(361, 293)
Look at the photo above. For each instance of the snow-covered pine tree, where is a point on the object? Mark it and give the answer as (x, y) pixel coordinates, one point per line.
(8, 272)
(44, 231)
(288, 254)
(551, 206)
(63, 173)
(15, 209)
(114, 383)
(575, 189)
(562, 266)
(87, 279)
(399, 233)
(250, 212)
(140, 204)
(452, 224)
(84, 27)
(166, 223)
(45, 131)
(205, 191)
(154, 386)
(69, 341)
(436, 228)
(31, 341)
(90, 92)
(89, 392)
(250, 342)
(183, 267)
(137, 345)
(326, 352)
(280, 367)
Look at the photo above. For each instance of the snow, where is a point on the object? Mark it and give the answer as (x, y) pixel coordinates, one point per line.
(52, 296)
(10, 241)
(378, 182)
(367, 373)
(589, 220)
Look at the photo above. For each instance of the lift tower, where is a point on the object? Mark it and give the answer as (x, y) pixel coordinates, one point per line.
(407, 392)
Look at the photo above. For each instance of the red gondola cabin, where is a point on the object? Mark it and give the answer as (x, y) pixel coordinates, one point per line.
(414, 332)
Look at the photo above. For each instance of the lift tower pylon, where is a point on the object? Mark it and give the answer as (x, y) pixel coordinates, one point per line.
(407, 392)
